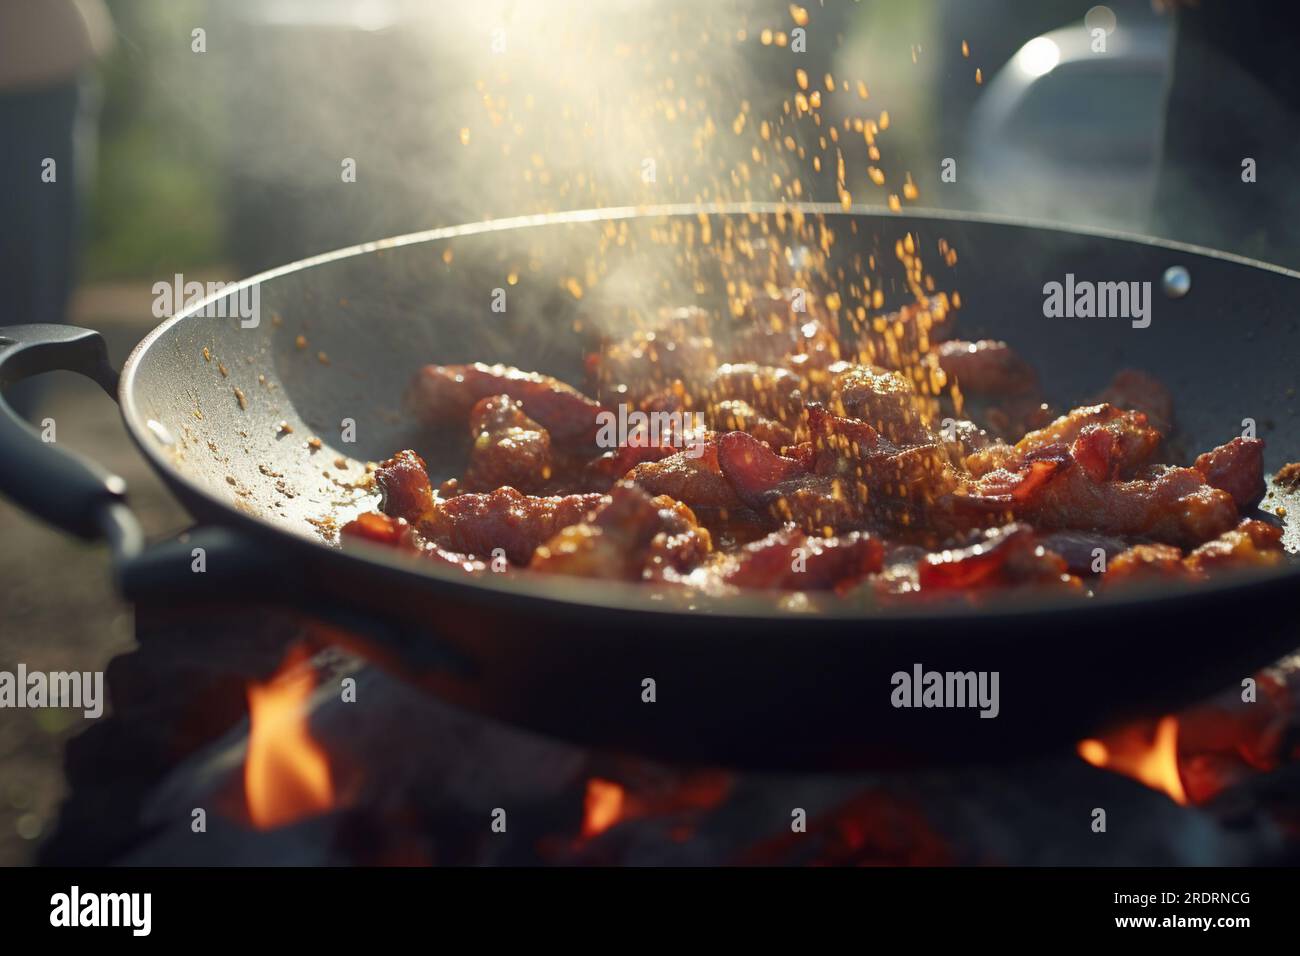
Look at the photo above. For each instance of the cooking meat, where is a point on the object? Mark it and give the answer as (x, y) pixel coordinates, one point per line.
(630, 537)
(444, 394)
(790, 560)
(476, 524)
(1251, 544)
(883, 399)
(398, 533)
(847, 477)
(507, 447)
(403, 484)
(1173, 505)
(963, 439)
(1085, 552)
(650, 360)
(987, 367)
(1134, 440)
(1145, 563)
(782, 488)
(1003, 557)
(773, 392)
(796, 345)
(873, 457)
(1237, 468)
(736, 415)
(504, 519)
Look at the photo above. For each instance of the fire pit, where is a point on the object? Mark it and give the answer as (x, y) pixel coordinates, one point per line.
(282, 749)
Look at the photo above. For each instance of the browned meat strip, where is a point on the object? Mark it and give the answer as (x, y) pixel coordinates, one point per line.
(735, 415)
(883, 399)
(398, 533)
(509, 448)
(790, 560)
(1237, 468)
(1173, 505)
(404, 485)
(1146, 562)
(1139, 439)
(699, 483)
(1251, 544)
(1117, 449)
(479, 524)
(444, 394)
(1003, 557)
(631, 537)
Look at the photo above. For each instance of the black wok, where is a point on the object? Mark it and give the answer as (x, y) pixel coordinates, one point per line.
(741, 684)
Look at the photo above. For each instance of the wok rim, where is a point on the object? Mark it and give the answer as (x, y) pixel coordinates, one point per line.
(577, 594)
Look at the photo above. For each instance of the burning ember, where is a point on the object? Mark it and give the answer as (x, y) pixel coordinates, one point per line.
(286, 774)
(1149, 759)
(603, 806)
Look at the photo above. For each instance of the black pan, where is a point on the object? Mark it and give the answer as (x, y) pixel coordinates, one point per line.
(740, 684)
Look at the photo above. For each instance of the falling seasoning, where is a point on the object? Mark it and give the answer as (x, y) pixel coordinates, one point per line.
(285, 428)
(322, 358)
(300, 342)
(240, 397)
(979, 76)
(314, 444)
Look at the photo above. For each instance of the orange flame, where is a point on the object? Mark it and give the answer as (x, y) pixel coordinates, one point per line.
(286, 774)
(603, 806)
(1151, 761)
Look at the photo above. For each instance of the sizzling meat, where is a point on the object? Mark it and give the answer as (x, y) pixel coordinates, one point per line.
(780, 455)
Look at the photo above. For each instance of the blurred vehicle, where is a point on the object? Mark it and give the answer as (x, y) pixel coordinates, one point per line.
(1068, 134)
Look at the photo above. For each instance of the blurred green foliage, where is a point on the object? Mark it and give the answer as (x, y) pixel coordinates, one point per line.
(155, 205)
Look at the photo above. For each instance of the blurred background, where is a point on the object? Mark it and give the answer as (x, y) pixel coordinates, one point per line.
(213, 139)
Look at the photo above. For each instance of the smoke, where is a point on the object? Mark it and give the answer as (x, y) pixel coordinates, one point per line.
(467, 109)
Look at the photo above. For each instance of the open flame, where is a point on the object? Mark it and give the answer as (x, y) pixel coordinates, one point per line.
(602, 807)
(1149, 759)
(286, 774)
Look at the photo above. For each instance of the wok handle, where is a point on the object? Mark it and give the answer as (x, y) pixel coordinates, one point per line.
(81, 497)
(57, 485)
(73, 493)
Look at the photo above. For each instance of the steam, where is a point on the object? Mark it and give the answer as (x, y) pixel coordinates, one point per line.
(469, 109)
